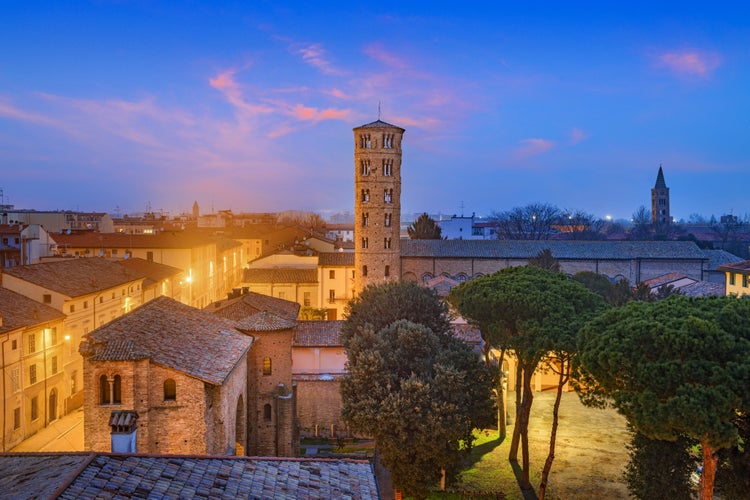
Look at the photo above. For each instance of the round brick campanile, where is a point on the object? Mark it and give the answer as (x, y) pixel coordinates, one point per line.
(377, 203)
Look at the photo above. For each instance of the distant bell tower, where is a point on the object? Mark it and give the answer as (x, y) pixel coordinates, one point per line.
(377, 203)
(660, 201)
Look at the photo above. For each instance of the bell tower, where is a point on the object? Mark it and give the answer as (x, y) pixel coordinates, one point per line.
(660, 201)
(377, 203)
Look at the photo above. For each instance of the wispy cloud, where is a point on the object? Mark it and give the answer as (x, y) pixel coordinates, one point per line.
(532, 147)
(690, 62)
(577, 135)
(10, 111)
(314, 55)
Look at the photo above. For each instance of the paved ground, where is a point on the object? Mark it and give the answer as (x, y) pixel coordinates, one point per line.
(64, 434)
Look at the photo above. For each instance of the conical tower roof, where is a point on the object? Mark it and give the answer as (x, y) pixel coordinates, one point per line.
(660, 184)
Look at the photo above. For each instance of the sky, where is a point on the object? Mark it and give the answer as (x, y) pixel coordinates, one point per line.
(121, 107)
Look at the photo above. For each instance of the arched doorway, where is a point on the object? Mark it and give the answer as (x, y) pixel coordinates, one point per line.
(53, 405)
(239, 428)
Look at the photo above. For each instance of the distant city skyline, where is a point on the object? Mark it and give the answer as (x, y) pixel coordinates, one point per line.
(250, 107)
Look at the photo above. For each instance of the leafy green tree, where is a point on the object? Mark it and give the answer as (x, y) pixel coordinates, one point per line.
(424, 228)
(658, 468)
(615, 294)
(545, 260)
(675, 367)
(418, 392)
(534, 313)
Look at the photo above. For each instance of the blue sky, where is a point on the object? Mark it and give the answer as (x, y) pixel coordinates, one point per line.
(250, 106)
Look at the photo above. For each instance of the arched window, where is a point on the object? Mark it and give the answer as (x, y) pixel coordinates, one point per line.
(364, 270)
(426, 277)
(267, 412)
(170, 390)
(387, 271)
(267, 365)
(117, 391)
(103, 390)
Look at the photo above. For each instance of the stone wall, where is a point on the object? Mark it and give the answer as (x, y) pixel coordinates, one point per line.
(319, 408)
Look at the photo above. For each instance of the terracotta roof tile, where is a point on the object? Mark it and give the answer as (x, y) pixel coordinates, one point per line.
(174, 335)
(153, 271)
(166, 239)
(738, 267)
(318, 334)
(249, 303)
(76, 277)
(18, 311)
(519, 249)
(329, 259)
(265, 321)
(281, 276)
(103, 475)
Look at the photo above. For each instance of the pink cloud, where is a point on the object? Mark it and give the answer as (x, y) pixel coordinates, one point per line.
(10, 111)
(690, 62)
(315, 56)
(532, 147)
(377, 52)
(226, 84)
(338, 93)
(577, 135)
(305, 113)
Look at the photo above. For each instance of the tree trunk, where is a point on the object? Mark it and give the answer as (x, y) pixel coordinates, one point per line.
(502, 430)
(513, 454)
(523, 425)
(710, 459)
(564, 375)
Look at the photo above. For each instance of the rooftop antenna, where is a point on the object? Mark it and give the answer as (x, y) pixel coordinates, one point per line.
(378, 110)
(461, 205)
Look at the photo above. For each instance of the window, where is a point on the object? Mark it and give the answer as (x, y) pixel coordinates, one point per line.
(47, 298)
(73, 382)
(282, 295)
(101, 300)
(15, 383)
(85, 304)
(16, 418)
(267, 365)
(117, 390)
(331, 295)
(14, 344)
(387, 243)
(53, 336)
(365, 219)
(365, 141)
(103, 390)
(34, 408)
(150, 256)
(387, 271)
(332, 274)
(387, 168)
(307, 300)
(72, 308)
(32, 343)
(744, 281)
(365, 242)
(53, 362)
(387, 222)
(352, 273)
(364, 270)
(387, 141)
(267, 412)
(32, 374)
(170, 390)
(365, 195)
(731, 279)
(365, 167)
(388, 195)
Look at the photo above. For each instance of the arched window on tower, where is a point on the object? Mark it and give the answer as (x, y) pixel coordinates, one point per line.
(267, 365)
(387, 271)
(387, 222)
(388, 195)
(104, 398)
(365, 243)
(267, 412)
(388, 167)
(364, 141)
(365, 195)
(387, 243)
(387, 141)
(365, 167)
(365, 219)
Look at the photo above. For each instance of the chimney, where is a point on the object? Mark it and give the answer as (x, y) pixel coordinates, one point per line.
(124, 431)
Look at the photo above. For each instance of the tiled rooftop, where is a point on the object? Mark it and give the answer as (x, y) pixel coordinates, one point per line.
(153, 271)
(165, 239)
(666, 279)
(76, 277)
(318, 334)
(703, 289)
(281, 276)
(329, 259)
(507, 249)
(718, 258)
(174, 335)
(265, 321)
(18, 311)
(249, 303)
(740, 267)
(377, 124)
(100, 475)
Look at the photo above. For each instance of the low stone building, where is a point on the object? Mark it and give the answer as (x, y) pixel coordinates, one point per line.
(183, 371)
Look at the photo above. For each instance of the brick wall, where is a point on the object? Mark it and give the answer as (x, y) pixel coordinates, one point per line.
(319, 404)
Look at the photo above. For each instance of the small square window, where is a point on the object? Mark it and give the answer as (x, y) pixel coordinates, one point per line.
(47, 298)
(332, 274)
